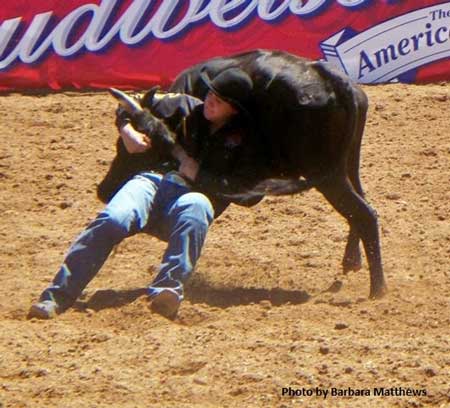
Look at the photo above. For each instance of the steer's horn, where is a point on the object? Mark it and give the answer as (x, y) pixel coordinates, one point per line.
(126, 101)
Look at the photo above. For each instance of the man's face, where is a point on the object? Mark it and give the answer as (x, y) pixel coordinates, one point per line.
(216, 110)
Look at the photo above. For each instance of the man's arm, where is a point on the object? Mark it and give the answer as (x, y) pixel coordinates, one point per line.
(189, 167)
(134, 141)
(170, 107)
(137, 142)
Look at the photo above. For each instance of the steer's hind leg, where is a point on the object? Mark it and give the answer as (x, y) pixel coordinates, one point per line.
(363, 222)
(352, 256)
(352, 260)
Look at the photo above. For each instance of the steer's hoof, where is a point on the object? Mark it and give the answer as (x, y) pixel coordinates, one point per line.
(351, 264)
(378, 292)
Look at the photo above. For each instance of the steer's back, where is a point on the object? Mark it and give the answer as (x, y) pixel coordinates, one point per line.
(303, 115)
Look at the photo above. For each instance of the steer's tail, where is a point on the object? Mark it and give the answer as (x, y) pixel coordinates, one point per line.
(273, 186)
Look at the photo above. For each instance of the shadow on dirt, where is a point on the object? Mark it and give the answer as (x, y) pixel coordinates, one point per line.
(109, 298)
(226, 297)
(212, 296)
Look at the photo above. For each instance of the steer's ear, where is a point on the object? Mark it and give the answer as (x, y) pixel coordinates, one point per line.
(127, 102)
(147, 99)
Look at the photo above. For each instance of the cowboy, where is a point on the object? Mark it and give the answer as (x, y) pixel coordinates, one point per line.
(174, 200)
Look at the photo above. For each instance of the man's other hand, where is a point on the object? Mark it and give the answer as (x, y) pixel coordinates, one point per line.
(189, 168)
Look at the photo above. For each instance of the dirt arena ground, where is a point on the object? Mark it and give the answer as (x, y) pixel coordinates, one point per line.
(263, 313)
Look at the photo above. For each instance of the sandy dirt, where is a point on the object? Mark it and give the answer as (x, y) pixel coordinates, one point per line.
(263, 311)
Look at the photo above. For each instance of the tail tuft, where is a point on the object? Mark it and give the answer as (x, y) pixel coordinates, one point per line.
(270, 186)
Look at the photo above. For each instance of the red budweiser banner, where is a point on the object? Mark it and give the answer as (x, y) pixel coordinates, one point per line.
(137, 43)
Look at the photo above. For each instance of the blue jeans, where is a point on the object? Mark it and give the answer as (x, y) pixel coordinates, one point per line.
(150, 203)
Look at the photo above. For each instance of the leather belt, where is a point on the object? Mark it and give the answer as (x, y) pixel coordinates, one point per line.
(176, 178)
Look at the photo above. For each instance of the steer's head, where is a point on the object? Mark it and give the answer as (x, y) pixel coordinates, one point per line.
(144, 121)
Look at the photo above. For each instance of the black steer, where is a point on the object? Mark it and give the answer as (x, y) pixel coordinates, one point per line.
(310, 120)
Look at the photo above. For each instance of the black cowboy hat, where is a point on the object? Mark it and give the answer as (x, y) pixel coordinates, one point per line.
(233, 85)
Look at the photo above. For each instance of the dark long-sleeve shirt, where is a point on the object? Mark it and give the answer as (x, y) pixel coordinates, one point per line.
(227, 158)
